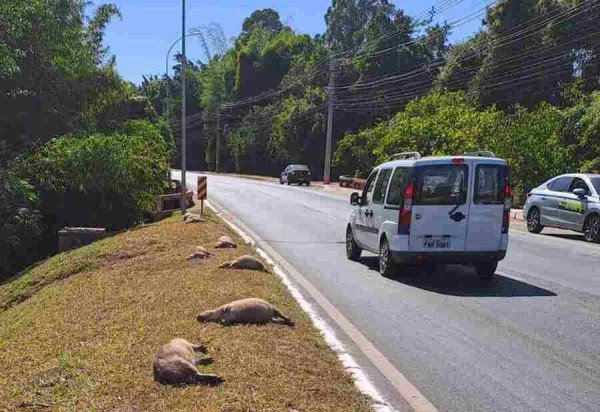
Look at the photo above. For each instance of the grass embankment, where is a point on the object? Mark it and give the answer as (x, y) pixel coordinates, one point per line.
(79, 331)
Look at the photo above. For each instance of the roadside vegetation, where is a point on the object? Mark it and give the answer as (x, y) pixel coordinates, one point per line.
(524, 86)
(538, 143)
(80, 330)
(78, 145)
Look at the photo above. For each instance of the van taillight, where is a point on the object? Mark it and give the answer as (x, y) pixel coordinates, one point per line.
(405, 216)
(507, 205)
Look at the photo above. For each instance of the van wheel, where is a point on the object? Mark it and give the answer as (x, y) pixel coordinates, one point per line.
(486, 270)
(352, 250)
(387, 266)
(307, 184)
(591, 228)
(533, 221)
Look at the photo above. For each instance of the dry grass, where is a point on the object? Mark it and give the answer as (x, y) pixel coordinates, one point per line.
(79, 331)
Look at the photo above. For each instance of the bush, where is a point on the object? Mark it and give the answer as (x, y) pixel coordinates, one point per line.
(537, 143)
(20, 223)
(106, 180)
(437, 124)
(530, 140)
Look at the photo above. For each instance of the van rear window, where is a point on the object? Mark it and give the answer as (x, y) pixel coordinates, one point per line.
(489, 184)
(441, 185)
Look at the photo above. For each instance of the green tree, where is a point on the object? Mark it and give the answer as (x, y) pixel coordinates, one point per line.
(265, 58)
(265, 19)
(528, 52)
(107, 180)
(49, 70)
(532, 143)
(437, 124)
(581, 133)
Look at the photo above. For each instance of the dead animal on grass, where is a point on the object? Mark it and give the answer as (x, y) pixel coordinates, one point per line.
(175, 362)
(199, 253)
(245, 262)
(192, 218)
(225, 242)
(251, 310)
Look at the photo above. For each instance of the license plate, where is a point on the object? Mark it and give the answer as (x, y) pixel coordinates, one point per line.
(433, 243)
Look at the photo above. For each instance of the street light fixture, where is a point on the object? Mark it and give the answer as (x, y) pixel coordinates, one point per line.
(167, 111)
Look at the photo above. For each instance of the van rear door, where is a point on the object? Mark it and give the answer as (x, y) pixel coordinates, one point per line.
(440, 208)
(486, 210)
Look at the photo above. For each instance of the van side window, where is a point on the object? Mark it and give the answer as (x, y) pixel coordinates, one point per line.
(489, 184)
(441, 185)
(397, 186)
(368, 191)
(381, 185)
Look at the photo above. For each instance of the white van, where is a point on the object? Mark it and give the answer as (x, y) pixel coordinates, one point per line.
(451, 209)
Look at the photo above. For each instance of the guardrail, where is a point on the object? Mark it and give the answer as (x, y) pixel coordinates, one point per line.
(353, 182)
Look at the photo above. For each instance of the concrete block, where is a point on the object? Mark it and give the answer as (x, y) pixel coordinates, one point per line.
(75, 237)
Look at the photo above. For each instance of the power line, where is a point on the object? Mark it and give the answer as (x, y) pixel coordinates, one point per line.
(508, 38)
(419, 72)
(318, 69)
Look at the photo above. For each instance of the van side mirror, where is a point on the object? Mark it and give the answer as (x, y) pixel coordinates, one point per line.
(580, 192)
(355, 199)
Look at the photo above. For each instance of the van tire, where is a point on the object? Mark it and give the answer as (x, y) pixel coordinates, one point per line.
(486, 270)
(352, 250)
(533, 220)
(387, 266)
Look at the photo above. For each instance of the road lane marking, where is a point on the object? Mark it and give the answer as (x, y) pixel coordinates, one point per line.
(403, 386)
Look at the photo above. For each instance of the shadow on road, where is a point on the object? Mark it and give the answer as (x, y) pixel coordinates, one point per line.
(456, 280)
(571, 236)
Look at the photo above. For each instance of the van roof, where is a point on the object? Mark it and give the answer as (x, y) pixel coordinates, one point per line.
(430, 160)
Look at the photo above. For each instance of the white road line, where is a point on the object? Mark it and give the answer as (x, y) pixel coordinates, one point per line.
(405, 388)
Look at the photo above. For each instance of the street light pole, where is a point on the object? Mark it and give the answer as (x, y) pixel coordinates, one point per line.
(328, 143)
(183, 113)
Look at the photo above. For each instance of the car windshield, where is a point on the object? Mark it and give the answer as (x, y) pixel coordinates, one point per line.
(596, 183)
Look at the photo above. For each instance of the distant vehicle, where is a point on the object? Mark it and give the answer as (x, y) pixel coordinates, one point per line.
(451, 209)
(295, 174)
(570, 201)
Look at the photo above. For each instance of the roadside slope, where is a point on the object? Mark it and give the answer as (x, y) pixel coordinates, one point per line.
(87, 339)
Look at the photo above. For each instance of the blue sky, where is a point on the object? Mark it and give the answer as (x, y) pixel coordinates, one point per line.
(141, 39)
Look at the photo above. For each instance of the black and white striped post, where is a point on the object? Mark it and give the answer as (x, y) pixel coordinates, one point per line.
(202, 192)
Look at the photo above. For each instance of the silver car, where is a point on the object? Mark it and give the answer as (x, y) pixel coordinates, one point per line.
(570, 201)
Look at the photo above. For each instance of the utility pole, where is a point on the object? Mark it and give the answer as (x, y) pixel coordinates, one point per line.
(218, 144)
(183, 114)
(225, 133)
(328, 143)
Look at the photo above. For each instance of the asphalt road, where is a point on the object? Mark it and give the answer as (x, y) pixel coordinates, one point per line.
(529, 341)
